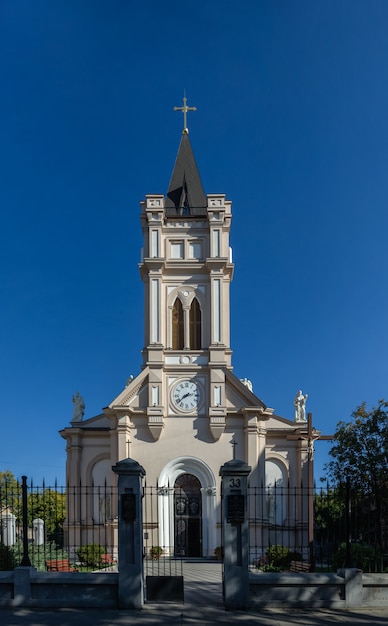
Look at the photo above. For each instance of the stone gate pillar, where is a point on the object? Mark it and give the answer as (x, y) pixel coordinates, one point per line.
(235, 533)
(130, 534)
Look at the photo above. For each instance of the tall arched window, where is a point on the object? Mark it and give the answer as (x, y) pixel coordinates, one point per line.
(177, 326)
(275, 491)
(101, 491)
(195, 325)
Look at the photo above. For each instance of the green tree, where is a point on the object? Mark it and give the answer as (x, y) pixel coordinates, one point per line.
(329, 521)
(329, 511)
(50, 506)
(360, 449)
(45, 503)
(360, 454)
(10, 493)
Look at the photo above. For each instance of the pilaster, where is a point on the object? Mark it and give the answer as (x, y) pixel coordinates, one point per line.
(217, 402)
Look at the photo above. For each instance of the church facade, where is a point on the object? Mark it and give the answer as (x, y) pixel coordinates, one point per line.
(186, 413)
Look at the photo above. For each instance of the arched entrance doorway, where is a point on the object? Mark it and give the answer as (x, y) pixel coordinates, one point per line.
(171, 472)
(187, 516)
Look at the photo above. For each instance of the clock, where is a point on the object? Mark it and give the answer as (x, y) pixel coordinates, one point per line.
(186, 395)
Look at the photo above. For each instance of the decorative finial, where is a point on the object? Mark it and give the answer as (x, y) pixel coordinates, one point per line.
(184, 110)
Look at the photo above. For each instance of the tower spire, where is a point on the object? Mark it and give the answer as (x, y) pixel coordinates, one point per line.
(185, 195)
(185, 110)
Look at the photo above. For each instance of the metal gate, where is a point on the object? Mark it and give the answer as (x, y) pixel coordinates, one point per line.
(174, 569)
(163, 569)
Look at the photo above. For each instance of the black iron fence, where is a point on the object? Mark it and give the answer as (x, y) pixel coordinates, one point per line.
(165, 530)
(318, 530)
(75, 527)
(55, 528)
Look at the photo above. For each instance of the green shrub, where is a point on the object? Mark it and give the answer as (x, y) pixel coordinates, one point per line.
(11, 556)
(156, 552)
(269, 568)
(219, 553)
(40, 554)
(90, 554)
(7, 558)
(362, 556)
(278, 557)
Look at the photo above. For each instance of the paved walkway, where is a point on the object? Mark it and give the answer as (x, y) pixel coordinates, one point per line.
(190, 616)
(203, 606)
(202, 579)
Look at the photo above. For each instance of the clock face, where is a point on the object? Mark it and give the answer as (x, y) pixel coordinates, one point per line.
(186, 395)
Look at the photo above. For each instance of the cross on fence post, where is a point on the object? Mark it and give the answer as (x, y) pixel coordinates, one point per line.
(310, 435)
(234, 444)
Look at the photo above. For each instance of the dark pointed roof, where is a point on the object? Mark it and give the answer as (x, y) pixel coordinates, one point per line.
(185, 194)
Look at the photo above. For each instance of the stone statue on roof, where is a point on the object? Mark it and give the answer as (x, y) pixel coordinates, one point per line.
(247, 383)
(79, 407)
(300, 406)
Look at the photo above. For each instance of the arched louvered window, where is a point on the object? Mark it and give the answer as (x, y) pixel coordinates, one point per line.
(177, 326)
(195, 325)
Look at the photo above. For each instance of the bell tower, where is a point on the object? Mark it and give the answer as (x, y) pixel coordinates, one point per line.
(186, 269)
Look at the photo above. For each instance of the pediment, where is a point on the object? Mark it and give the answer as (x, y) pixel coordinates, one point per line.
(239, 396)
(135, 393)
(96, 422)
(276, 422)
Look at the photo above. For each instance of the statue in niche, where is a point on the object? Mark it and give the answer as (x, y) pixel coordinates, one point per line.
(300, 406)
(79, 407)
(104, 509)
(271, 507)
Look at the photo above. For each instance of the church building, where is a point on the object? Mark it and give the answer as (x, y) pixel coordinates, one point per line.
(186, 413)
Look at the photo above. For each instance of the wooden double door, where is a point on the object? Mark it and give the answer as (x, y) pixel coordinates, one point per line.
(188, 516)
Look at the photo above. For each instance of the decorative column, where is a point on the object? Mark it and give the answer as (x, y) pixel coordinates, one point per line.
(235, 533)
(130, 532)
(8, 528)
(38, 531)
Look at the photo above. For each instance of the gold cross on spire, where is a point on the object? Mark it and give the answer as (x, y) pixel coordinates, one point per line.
(184, 110)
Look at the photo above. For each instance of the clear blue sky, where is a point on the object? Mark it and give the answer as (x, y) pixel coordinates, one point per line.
(292, 124)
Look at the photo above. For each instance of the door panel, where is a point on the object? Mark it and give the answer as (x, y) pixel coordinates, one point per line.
(187, 516)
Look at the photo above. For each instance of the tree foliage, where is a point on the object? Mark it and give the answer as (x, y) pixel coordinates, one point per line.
(360, 457)
(329, 511)
(10, 493)
(50, 506)
(44, 503)
(362, 556)
(360, 449)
